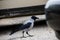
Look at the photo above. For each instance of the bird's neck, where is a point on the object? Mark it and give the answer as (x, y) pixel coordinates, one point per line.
(32, 20)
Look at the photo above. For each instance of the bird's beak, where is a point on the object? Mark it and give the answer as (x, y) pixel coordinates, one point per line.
(37, 18)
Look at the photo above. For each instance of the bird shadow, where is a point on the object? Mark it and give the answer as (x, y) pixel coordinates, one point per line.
(19, 37)
(30, 36)
(13, 38)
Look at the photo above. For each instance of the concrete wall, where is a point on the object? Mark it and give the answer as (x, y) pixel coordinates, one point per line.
(20, 3)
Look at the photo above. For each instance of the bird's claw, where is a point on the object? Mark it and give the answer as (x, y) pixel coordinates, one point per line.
(30, 35)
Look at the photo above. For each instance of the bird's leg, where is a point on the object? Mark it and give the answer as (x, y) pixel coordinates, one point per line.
(23, 35)
(29, 34)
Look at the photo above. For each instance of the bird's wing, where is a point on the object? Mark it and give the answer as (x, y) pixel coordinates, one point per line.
(25, 26)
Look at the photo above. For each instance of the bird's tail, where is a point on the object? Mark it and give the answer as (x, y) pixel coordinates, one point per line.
(13, 31)
(17, 28)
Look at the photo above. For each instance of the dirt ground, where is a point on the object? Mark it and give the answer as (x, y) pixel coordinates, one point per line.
(40, 33)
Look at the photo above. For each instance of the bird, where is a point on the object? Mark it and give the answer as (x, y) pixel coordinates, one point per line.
(27, 26)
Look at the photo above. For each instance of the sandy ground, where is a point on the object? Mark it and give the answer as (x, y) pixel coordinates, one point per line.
(40, 33)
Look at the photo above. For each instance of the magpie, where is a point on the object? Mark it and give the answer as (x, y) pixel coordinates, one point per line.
(27, 26)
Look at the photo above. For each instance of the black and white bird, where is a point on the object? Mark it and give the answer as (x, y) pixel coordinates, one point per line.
(27, 26)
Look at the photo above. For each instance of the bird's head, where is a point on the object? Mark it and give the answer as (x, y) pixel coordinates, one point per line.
(34, 17)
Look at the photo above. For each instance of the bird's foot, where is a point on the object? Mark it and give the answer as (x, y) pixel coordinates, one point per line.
(31, 35)
(23, 37)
